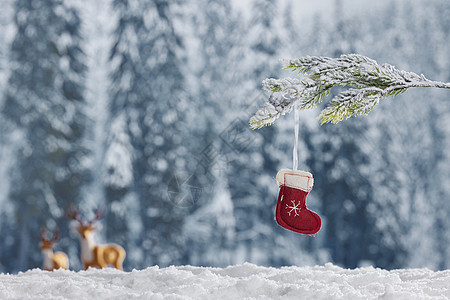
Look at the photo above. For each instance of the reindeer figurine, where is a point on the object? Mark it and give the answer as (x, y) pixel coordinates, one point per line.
(52, 260)
(93, 255)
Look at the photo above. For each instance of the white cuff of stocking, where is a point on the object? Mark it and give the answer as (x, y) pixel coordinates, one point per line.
(296, 179)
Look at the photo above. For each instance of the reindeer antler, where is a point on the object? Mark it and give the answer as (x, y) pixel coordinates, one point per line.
(56, 235)
(99, 213)
(43, 231)
(74, 214)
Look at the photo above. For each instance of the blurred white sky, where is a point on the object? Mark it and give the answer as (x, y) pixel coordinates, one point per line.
(308, 8)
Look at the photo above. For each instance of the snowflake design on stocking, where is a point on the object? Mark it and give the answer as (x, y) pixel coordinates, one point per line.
(294, 208)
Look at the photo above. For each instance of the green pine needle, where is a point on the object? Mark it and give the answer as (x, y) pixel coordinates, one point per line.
(368, 81)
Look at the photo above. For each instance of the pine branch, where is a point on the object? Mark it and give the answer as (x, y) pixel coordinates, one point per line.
(369, 83)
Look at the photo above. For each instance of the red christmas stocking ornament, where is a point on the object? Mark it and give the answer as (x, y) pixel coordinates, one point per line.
(291, 211)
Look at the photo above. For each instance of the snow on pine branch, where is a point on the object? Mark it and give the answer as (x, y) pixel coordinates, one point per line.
(369, 83)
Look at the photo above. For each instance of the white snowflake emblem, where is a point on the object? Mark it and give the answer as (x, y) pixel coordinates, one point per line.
(294, 208)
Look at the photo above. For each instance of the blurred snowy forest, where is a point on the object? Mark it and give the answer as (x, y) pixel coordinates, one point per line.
(142, 107)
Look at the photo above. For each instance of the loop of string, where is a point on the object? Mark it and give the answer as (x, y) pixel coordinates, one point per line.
(295, 151)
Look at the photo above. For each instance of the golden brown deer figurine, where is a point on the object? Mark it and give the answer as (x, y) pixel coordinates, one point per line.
(93, 255)
(52, 260)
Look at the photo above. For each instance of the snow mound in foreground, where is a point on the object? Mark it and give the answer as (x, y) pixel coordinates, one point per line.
(234, 282)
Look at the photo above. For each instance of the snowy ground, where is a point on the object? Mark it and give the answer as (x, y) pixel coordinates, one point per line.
(235, 282)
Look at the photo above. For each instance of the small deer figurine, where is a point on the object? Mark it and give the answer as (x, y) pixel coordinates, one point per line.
(93, 255)
(52, 260)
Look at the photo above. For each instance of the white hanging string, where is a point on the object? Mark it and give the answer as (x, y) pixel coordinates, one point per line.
(295, 151)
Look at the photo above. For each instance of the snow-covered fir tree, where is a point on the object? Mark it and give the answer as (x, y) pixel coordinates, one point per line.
(411, 149)
(145, 146)
(7, 141)
(214, 64)
(339, 159)
(44, 100)
(256, 163)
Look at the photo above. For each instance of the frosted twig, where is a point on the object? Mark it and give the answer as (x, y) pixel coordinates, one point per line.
(369, 83)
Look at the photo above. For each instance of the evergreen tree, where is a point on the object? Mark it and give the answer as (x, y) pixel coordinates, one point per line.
(5, 129)
(45, 101)
(255, 196)
(218, 56)
(339, 160)
(210, 228)
(412, 143)
(145, 145)
(5, 29)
